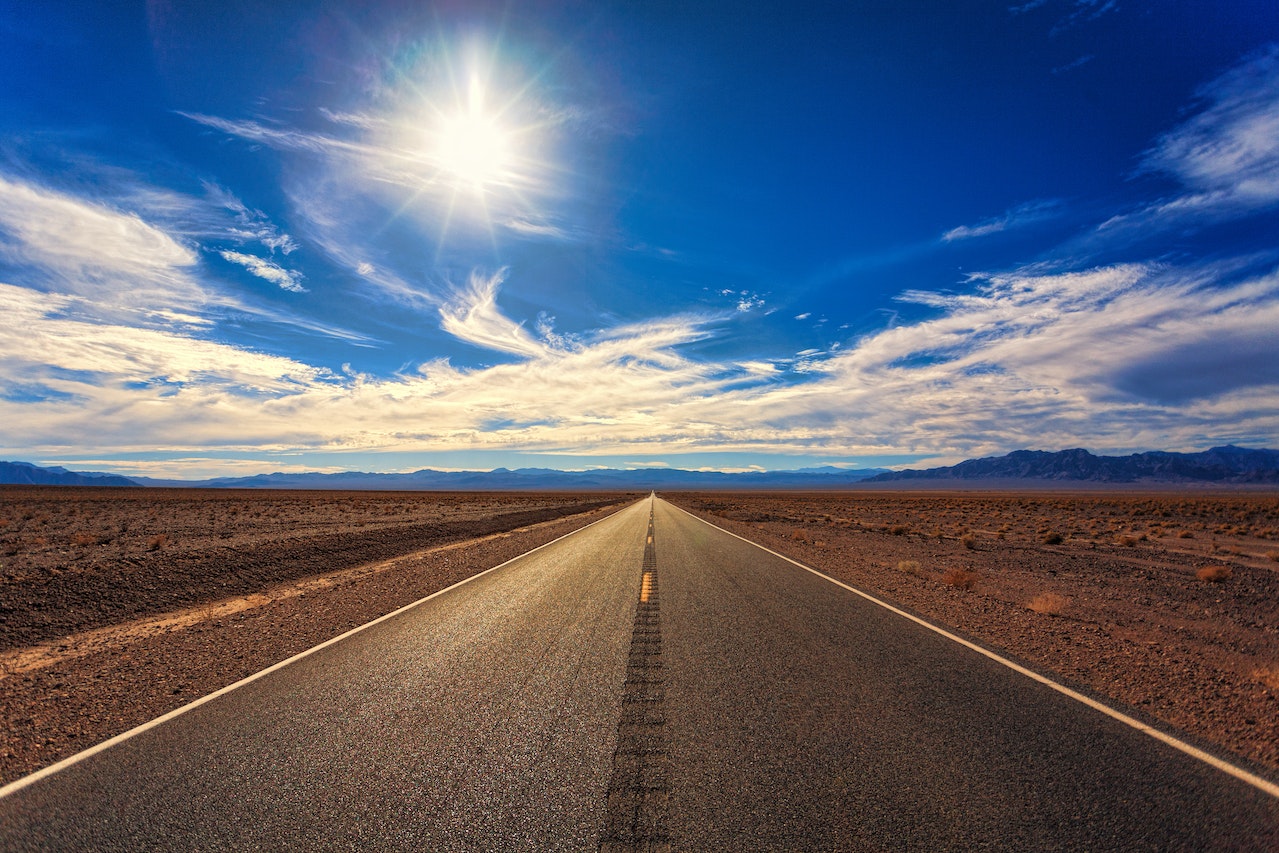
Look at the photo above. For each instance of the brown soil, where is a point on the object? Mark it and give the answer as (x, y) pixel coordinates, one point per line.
(102, 627)
(1165, 603)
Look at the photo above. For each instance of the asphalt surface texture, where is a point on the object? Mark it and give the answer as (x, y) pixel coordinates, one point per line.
(648, 683)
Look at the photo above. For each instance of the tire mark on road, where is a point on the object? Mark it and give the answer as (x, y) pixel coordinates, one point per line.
(635, 817)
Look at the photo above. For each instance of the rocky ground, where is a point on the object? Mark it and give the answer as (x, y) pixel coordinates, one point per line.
(1165, 603)
(102, 627)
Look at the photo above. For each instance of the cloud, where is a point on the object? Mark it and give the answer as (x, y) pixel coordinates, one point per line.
(71, 244)
(1071, 66)
(1020, 216)
(803, 316)
(1225, 157)
(473, 316)
(290, 280)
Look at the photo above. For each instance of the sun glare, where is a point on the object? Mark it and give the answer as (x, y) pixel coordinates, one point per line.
(471, 145)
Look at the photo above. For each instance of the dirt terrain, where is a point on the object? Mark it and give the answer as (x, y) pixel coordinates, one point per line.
(1166, 603)
(118, 605)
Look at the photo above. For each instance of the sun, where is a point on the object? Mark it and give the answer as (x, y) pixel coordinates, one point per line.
(472, 146)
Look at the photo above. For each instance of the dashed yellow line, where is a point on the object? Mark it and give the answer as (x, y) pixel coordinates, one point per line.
(646, 586)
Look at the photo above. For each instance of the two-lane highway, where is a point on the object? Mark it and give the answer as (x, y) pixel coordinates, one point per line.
(648, 682)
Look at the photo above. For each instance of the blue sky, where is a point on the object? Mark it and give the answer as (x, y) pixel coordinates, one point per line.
(240, 237)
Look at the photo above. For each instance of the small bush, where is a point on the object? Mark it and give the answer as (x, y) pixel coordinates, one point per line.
(1053, 539)
(1214, 574)
(899, 530)
(960, 578)
(1185, 534)
(1273, 556)
(968, 541)
(910, 567)
(1267, 675)
(1126, 541)
(158, 541)
(86, 539)
(1048, 603)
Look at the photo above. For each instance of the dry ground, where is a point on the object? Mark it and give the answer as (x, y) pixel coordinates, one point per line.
(1166, 603)
(118, 605)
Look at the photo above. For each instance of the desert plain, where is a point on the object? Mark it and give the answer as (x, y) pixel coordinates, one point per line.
(119, 605)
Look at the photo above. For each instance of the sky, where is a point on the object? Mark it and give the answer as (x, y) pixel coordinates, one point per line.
(242, 237)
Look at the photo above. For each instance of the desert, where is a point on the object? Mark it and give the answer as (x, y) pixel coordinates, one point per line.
(1165, 602)
(118, 605)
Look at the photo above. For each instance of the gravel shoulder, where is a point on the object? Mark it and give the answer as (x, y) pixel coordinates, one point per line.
(1166, 604)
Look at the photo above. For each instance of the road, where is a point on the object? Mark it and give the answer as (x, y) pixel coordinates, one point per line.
(648, 683)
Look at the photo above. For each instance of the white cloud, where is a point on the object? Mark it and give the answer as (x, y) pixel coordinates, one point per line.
(1226, 157)
(1022, 215)
(803, 316)
(290, 280)
(473, 316)
(1121, 357)
(84, 247)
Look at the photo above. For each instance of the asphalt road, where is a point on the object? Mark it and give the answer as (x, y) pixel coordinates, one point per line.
(642, 685)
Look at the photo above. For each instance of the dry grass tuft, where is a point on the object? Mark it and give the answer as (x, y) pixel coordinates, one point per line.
(158, 541)
(960, 578)
(968, 541)
(899, 530)
(1214, 574)
(1126, 540)
(1053, 539)
(910, 567)
(1273, 556)
(1267, 675)
(1049, 603)
(1185, 534)
(86, 539)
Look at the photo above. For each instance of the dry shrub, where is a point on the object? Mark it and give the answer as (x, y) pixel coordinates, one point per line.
(86, 539)
(1273, 556)
(910, 567)
(1053, 539)
(898, 529)
(1267, 675)
(968, 541)
(1214, 574)
(797, 536)
(1185, 534)
(1126, 540)
(158, 541)
(960, 578)
(1048, 603)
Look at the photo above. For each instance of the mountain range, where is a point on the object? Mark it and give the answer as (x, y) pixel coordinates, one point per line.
(1225, 465)
(500, 479)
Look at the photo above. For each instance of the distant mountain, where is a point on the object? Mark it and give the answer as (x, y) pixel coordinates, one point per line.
(1227, 464)
(500, 479)
(541, 479)
(24, 473)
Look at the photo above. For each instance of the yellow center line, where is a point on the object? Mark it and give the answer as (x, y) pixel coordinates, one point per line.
(646, 586)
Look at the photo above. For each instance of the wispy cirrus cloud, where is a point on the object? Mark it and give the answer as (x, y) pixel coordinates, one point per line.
(290, 280)
(1018, 217)
(1225, 157)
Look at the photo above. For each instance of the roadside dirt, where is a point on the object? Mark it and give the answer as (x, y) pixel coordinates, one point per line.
(1165, 603)
(102, 631)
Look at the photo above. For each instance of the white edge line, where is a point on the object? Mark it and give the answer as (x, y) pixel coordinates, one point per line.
(1176, 743)
(19, 784)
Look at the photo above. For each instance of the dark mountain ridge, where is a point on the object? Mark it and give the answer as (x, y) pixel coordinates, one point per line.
(1228, 464)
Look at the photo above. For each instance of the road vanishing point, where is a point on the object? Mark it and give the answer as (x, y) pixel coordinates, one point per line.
(650, 682)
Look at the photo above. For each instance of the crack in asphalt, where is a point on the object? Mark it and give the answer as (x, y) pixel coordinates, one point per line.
(638, 791)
